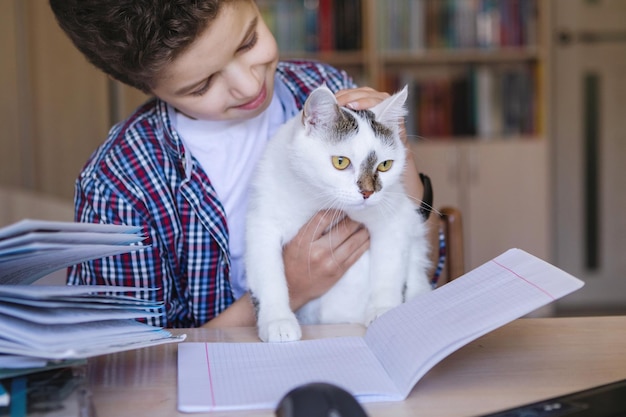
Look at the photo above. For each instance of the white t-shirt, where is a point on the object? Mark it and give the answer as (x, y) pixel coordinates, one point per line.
(228, 151)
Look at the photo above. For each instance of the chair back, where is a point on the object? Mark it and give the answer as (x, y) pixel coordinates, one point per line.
(447, 224)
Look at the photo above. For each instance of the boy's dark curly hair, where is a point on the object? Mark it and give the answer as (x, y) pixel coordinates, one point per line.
(132, 40)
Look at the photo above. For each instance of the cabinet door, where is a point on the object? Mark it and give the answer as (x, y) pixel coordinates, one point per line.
(443, 163)
(501, 188)
(508, 200)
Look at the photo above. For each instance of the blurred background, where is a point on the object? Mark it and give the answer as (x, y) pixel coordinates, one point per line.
(517, 112)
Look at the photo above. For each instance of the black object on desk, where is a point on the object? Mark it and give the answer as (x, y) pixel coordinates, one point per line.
(607, 400)
(319, 400)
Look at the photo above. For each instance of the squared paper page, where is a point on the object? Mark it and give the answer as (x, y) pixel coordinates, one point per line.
(75, 238)
(28, 269)
(30, 225)
(43, 335)
(47, 292)
(229, 376)
(70, 315)
(95, 347)
(410, 339)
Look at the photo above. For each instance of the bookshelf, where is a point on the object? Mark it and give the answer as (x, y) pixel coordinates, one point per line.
(474, 67)
(477, 71)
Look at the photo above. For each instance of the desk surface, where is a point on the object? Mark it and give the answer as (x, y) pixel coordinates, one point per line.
(524, 361)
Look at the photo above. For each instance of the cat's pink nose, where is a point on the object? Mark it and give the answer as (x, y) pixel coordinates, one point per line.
(366, 194)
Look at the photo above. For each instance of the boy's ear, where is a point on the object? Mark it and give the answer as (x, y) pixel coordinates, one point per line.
(320, 109)
(389, 111)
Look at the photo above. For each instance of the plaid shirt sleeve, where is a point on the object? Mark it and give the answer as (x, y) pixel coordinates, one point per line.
(135, 178)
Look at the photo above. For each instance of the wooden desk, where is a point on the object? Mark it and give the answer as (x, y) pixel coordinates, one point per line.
(525, 361)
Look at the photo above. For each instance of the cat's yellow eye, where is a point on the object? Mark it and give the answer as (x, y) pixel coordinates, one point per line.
(385, 165)
(341, 162)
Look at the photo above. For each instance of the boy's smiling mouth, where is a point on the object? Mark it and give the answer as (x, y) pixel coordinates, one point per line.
(257, 101)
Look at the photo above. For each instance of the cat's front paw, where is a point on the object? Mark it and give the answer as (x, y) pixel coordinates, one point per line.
(373, 313)
(282, 330)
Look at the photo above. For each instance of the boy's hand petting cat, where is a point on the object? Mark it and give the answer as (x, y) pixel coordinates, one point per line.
(360, 98)
(316, 257)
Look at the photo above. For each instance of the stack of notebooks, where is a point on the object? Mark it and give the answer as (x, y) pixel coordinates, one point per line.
(39, 323)
(31, 249)
(68, 322)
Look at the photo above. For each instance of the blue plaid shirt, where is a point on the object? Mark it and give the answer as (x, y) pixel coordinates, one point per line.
(142, 175)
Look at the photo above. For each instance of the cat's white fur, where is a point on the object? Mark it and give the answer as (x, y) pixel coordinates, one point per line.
(295, 179)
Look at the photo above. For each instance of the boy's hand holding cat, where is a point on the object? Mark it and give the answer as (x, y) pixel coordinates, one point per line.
(315, 259)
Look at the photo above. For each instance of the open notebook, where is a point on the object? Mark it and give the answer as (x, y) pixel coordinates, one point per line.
(396, 351)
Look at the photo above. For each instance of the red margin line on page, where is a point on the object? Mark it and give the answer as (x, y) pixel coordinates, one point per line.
(208, 365)
(524, 279)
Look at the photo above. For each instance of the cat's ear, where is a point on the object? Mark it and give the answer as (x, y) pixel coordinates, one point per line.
(320, 109)
(390, 110)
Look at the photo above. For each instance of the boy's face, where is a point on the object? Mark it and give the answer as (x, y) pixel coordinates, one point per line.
(227, 73)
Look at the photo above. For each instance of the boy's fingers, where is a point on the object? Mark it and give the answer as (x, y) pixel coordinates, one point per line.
(318, 225)
(360, 98)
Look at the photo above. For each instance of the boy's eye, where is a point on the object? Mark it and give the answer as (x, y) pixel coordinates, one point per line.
(385, 166)
(340, 162)
(203, 88)
(250, 43)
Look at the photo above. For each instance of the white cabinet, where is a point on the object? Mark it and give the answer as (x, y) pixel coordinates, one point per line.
(501, 187)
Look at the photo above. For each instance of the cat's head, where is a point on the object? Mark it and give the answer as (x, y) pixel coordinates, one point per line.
(351, 157)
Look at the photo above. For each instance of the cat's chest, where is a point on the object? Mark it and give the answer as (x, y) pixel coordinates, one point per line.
(346, 301)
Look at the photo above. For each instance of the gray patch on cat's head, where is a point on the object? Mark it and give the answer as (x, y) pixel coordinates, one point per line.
(334, 126)
(335, 123)
(345, 125)
(369, 181)
(381, 131)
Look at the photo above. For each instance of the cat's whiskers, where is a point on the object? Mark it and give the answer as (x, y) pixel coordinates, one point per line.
(337, 217)
(417, 138)
(335, 210)
(420, 203)
(385, 207)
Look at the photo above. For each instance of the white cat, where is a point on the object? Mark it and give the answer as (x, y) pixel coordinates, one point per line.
(332, 157)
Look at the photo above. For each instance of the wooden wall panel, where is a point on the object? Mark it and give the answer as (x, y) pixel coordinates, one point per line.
(70, 113)
(55, 107)
(9, 98)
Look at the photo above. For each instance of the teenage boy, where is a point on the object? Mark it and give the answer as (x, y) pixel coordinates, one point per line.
(181, 164)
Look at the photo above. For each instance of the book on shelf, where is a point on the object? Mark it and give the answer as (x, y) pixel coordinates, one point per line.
(476, 101)
(419, 25)
(314, 25)
(398, 348)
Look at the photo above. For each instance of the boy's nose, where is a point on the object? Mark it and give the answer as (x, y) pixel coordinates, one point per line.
(244, 84)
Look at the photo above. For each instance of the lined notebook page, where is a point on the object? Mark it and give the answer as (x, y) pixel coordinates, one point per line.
(224, 376)
(412, 338)
(398, 349)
